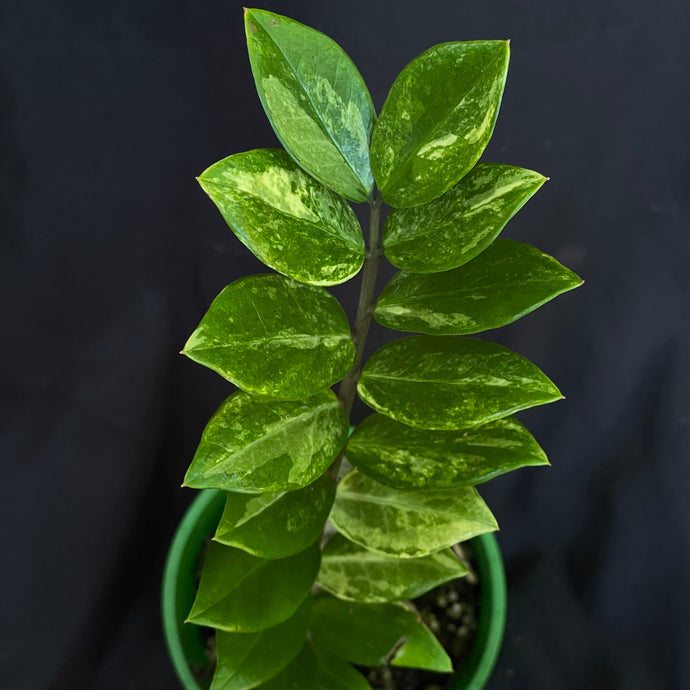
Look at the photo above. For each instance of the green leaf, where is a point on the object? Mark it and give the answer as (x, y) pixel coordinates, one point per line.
(334, 673)
(352, 572)
(437, 120)
(272, 336)
(239, 592)
(276, 525)
(505, 282)
(408, 524)
(451, 383)
(298, 675)
(287, 219)
(367, 634)
(247, 659)
(406, 458)
(252, 445)
(315, 99)
(453, 229)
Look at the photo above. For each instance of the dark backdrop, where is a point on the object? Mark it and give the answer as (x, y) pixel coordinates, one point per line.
(111, 253)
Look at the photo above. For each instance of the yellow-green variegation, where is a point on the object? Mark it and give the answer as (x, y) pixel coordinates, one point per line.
(452, 229)
(443, 403)
(407, 458)
(285, 217)
(407, 524)
(252, 445)
(354, 573)
(315, 99)
(504, 283)
(437, 120)
(451, 383)
(276, 525)
(274, 337)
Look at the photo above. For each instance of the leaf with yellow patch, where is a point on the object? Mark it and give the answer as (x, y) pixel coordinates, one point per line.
(315, 99)
(352, 572)
(276, 525)
(285, 217)
(437, 120)
(274, 337)
(407, 524)
(251, 445)
(407, 458)
(451, 383)
(454, 228)
(504, 283)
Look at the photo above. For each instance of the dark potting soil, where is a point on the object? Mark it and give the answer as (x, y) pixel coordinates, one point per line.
(451, 612)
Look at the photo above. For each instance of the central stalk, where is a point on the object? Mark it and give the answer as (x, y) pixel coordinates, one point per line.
(348, 386)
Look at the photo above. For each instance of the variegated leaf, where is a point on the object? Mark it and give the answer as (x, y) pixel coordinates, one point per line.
(352, 572)
(274, 337)
(505, 282)
(453, 229)
(287, 219)
(315, 99)
(367, 634)
(246, 660)
(407, 524)
(437, 120)
(406, 458)
(239, 592)
(251, 445)
(451, 383)
(276, 525)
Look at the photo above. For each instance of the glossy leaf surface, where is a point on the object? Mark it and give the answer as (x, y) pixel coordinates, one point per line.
(239, 592)
(437, 120)
(451, 383)
(366, 634)
(315, 99)
(246, 660)
(453, 229)
(352, 572)
(407, 458)
(505, 282)
(287, 219)
(251, 445)
(300, 674)
(334, 673)
(273, 336)
(276, 525)
(408, 524)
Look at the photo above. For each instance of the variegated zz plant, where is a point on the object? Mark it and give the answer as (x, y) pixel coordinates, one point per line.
(288, 611)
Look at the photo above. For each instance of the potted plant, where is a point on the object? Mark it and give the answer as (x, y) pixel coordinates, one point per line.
(321, 538)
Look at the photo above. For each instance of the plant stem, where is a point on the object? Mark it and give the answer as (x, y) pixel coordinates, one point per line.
(348, 386)
(462, 557)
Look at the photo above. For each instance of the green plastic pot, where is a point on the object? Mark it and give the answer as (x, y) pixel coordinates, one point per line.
(185, 642)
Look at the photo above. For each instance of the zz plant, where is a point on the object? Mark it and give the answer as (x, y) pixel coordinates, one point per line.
(289, 612)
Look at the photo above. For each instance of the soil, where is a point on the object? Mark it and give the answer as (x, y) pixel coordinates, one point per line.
(451, 612)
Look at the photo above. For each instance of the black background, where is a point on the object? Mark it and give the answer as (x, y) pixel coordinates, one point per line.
(111, 253)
